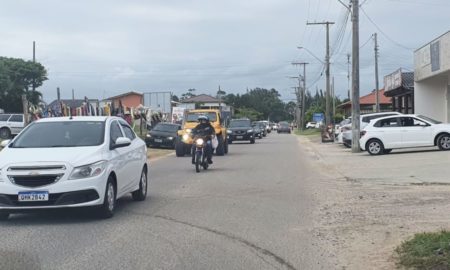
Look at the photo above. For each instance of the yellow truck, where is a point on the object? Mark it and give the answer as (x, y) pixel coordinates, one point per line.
(183, 144)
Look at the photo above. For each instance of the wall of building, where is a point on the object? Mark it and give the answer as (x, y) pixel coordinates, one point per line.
(131, 101)
(433, 58)
(430, 98)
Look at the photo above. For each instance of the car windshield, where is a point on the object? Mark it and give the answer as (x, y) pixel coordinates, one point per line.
(193, 117)
(431, 120)
(165, 128)
(61, 134)
(239, 123)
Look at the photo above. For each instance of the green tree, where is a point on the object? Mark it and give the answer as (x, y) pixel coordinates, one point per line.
(17, 77)
(190, 93)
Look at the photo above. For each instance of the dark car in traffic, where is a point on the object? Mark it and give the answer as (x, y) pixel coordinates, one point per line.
(162, 135)
(284, 127)
(258, 130)
(262, 127)
(241, 130)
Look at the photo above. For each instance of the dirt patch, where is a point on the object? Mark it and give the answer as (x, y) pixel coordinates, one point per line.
(363, 221)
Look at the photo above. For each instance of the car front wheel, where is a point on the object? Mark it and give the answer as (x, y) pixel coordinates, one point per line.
(444, 142)
(375, 147)
(141, 193)
(109, 202)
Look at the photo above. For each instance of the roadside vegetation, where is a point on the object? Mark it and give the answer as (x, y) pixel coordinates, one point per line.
(308, 132)
(425, 251)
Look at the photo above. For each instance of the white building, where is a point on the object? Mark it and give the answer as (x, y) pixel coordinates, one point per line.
(432, 79)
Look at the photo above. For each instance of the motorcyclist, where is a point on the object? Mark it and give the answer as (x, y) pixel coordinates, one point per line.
(204, 129)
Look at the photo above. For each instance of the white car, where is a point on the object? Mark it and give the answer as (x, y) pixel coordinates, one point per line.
(311, 125)
(72, 162)
(364, 121)
(10, 124)
(404, 131)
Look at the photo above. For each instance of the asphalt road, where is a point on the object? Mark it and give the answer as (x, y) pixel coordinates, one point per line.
(251, 210)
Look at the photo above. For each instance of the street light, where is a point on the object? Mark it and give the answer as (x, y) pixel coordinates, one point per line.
(311, 53)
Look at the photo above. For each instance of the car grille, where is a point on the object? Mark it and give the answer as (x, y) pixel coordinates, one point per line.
(34, 180)
(240, 132)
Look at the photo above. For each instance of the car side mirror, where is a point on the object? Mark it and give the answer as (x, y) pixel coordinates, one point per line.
(121, 142)
(4, 143)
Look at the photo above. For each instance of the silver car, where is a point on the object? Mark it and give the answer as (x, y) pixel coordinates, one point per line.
(11, 124)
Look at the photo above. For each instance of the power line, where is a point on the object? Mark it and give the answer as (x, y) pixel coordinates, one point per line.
(384, 34)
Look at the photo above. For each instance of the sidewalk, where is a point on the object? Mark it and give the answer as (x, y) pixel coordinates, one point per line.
(410, 166)
(374, 203)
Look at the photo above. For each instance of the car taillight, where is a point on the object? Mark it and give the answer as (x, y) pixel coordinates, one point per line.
(363, 132)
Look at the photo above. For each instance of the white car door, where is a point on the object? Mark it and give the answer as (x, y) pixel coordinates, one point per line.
(134, 155)
(415, 132)
(119, 159)
(389, 131)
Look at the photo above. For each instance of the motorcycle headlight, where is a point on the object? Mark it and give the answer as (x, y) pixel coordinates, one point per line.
(229, 131)
(88, 171)
(185, 137)
(250, 130)
(188, 130)
(199, 141)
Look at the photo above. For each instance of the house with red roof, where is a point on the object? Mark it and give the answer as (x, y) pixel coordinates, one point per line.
(368, 102)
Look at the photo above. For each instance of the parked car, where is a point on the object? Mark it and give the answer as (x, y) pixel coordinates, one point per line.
(162, 135)
(284, 128)
(364, 121)
(311, 125)
(67, 162)
(382, 135)
(258, 130)
(338, 129)
(241, 130)
(11, 124)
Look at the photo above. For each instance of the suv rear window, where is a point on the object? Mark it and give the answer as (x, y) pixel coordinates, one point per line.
(389, 122)
(4, 117)
(16, 118)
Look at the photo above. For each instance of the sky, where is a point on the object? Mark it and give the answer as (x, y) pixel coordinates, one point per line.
(101, 48)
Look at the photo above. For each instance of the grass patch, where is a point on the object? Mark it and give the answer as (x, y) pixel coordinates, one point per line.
(425, 251)
(308, 132)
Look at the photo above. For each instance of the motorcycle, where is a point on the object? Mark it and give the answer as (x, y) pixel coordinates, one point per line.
(200, 153)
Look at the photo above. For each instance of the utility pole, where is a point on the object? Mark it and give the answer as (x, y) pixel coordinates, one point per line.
(73, 94)
(298, 115)
(377, 108)
(334, 100)
(327, 71)
(302, 94)
(355, 78)
(34, 61)
(348, 76)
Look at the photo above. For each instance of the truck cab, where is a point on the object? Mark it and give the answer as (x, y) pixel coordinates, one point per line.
(184, 141)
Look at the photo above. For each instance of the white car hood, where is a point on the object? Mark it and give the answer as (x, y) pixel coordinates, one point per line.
(74, 156)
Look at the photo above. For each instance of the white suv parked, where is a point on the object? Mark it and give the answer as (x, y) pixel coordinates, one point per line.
(72, 162)
(10, 124)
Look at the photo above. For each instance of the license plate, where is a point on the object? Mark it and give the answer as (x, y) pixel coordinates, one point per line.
(239, 137)
(158, 140)
(33, 196)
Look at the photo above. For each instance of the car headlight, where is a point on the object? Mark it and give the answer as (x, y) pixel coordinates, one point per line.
(185, 137)
(170, 138)
(148, 135)
(250, 130)
(188, 130)
(87, 171)
(199, 141)
(229, 131)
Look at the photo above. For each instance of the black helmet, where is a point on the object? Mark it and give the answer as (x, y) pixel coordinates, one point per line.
(203, 118)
